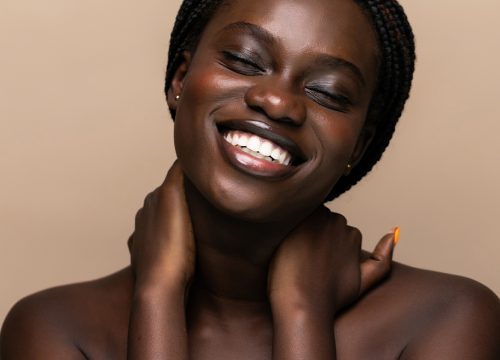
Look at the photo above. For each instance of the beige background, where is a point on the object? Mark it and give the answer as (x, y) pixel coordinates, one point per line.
(85, 134)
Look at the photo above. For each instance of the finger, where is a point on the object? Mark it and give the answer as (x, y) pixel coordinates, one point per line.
(172, 192)
(173, 174)
(378, 265)
(138, 217)
(148, 199)
(130, 242)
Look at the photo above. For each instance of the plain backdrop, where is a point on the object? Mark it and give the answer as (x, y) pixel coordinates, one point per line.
(85, 134)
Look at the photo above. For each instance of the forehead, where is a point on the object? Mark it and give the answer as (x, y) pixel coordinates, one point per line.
(335, 27)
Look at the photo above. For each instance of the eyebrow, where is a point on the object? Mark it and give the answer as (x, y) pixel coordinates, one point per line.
(269, 39)
(336, 62)
(254, 30)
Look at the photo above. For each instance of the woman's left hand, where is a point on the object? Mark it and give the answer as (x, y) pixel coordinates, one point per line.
(318, 266)
(316, 271)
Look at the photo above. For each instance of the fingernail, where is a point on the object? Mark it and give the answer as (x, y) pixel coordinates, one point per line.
(396, 235)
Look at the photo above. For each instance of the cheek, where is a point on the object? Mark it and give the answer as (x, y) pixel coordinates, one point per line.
(338, 134)
(209, 84)
(197, 102)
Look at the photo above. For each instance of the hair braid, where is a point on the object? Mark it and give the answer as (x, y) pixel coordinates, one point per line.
(397, 48)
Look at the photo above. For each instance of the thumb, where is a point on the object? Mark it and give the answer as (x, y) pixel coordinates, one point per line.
(378, 265)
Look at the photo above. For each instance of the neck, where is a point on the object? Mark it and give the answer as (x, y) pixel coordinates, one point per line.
(233, 255)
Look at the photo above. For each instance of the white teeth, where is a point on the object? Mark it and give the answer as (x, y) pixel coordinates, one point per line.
(275, 154)
(266, 148)
(235, 139)
(258, 147)
(243, 140)
(254, 143)
(282, 157)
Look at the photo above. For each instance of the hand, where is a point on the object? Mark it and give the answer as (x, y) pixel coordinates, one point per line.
(318, 266)
(162, 246)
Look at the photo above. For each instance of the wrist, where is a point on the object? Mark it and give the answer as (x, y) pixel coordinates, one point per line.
(162, 278)
(153, 287)
(296, 300)
(305, 309)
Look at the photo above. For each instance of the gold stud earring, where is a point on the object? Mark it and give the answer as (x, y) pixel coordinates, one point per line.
(348, 169)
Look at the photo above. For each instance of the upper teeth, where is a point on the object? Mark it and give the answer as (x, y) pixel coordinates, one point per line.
(259, 147)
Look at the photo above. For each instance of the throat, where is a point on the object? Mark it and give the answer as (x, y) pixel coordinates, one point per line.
(232, 255)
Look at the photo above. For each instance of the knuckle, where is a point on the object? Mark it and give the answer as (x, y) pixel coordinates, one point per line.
(148, 198)
(385, 265)
(354, 232)
(355, 237)
(342, 220)
(138, 214)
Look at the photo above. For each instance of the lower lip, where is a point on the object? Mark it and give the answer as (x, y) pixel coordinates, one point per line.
(252, 165)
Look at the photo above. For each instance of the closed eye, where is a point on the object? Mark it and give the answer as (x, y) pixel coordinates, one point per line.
(241, 63)
(334, 101)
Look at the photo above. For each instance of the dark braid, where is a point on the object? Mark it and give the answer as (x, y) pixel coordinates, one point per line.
(397, 50)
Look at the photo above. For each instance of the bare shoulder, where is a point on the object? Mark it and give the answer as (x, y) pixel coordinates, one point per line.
(65, 321)
(436, 287)
(459, 317)
(432, 315)
(449, 295)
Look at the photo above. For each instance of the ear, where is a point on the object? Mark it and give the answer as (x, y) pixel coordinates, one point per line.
(364, 140)
(177, 83)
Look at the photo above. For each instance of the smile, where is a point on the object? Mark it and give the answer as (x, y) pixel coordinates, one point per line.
(258, 147)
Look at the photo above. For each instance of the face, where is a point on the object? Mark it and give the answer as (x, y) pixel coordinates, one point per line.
(273, 104)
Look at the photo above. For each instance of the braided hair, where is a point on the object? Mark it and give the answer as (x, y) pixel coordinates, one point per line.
(397, 48)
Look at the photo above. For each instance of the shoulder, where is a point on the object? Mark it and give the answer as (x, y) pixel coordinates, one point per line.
(436, 289)
(453, 317)
(55, 323)
(421, 314)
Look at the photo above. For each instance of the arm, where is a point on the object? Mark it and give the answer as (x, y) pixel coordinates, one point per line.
(467, 328)
(302, 333)
(158, 324)
(314, 274)
(162, 251)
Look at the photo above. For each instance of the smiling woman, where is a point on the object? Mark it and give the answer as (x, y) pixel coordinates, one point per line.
(235, 255)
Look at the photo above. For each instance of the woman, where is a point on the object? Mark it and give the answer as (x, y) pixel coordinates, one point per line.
(278, 106)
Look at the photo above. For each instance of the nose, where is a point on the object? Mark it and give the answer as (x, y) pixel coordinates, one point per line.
(277, 102)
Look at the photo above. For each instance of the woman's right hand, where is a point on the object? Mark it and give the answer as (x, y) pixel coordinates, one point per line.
(162, 250)
(162, 245)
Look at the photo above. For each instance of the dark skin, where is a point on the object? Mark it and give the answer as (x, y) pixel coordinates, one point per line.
(262, 270)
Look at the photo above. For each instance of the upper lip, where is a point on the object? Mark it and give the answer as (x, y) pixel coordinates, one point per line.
(265, 131)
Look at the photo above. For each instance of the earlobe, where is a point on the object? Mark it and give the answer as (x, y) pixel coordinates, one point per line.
(364, 140)
(176, 85)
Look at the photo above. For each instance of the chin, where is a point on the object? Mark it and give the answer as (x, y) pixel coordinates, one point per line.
(254, 202)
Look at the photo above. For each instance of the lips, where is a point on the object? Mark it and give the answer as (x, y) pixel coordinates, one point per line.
(253, 147)
(258, 147)
(264, 132)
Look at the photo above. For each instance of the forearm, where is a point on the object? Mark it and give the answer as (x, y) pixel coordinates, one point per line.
(157, 328)
(300, 334)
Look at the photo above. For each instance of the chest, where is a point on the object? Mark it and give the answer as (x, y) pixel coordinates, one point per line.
(247, 339)
(252, 340)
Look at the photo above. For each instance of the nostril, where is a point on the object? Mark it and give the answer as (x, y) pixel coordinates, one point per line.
(276, 105)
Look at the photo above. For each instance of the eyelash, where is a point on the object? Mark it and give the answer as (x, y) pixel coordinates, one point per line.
(251, 68)
(248, 67)
(338, 102)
